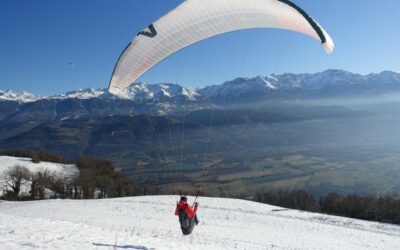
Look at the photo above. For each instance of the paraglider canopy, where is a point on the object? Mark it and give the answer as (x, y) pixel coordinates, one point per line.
(197, 20)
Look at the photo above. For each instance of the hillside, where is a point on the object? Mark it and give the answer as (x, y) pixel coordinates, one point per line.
(57, 168)
(60, 170)
(148, 223)
(333, 131)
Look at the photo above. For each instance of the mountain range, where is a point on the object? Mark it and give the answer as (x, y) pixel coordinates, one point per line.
(167, 98)
(329, 83)
(151, 130)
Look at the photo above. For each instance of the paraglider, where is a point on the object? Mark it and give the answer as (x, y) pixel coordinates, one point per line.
(187, 215)
(197, 20)
(71, 66)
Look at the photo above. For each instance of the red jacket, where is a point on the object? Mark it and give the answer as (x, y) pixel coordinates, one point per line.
(188, 209)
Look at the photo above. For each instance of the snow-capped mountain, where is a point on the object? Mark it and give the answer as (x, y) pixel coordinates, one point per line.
(164, 97)
(330, 83)
(83, 94)
(385, 76)
(21, 97)
(142, 91)
(136, 92)
(241, 87)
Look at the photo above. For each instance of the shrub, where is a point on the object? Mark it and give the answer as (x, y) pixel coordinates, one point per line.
(13, 179)
(383, 208)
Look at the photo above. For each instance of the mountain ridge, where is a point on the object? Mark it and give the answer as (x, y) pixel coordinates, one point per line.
(270, 85)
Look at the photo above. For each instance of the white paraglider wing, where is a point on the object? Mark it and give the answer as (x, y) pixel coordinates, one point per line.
(197, 20)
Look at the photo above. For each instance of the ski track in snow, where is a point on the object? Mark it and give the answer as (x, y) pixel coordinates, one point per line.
(148, 223)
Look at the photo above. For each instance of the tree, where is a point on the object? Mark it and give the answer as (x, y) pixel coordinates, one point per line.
(13, 179)
(86, 182)
(40, 181)
(98, 179)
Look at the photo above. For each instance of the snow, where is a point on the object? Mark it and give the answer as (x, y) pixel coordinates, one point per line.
(191, 94)
(7, 162)
(269, 84)
(240, 86)
(148, 223)
(279, 82)
(21, 97)
(137, 91)
(59, 170)
(143, 91)
(82, 94)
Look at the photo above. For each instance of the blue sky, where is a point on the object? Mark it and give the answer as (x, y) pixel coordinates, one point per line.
(40, 38)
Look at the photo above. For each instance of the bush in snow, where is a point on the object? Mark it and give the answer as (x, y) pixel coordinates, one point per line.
(98, 179)
(13, 179)
(295, 199)
(95, 179)
(384, 208)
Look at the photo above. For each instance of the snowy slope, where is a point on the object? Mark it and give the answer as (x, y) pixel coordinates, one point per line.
(65, 169)
(148, 223)
(60, 170)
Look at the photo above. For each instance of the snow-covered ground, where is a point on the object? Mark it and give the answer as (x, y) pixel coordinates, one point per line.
(149, 223)
(56, 169)
(7, 162)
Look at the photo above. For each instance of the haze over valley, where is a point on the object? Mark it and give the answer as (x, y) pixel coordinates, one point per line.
(333, 131)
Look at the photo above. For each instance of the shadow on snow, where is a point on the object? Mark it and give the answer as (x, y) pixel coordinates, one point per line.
(123, 247)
